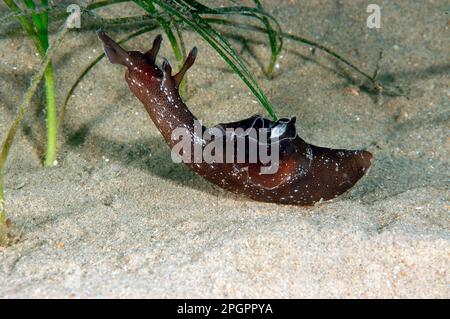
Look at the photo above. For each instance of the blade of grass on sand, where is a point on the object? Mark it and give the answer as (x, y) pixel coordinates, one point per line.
(40, 21)
(50, 156)
(258, 12)
(273, 36)
(25, 24)
(295, 38)
(37, 29)
(21, 113)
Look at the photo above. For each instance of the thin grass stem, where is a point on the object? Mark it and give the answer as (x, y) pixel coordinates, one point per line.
(23, 108)
(50, 156)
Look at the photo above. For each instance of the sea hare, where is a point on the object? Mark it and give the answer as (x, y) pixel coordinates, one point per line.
(285, 169)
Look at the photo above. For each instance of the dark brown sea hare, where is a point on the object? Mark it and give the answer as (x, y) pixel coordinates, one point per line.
(306, 173)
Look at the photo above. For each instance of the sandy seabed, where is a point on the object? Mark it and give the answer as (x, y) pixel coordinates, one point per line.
(116, 218)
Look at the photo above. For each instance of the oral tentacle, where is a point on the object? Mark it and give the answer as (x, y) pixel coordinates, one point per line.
(153, 52)
(186, 66)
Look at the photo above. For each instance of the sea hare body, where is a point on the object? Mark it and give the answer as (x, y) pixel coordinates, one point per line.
(305, 173)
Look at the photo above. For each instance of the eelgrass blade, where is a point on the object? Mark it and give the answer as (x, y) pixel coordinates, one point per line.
(39, 25)
(104, 3)
(44, 13)
(50, 155)
(26, 24)
(23, 109)
(295, 38)
(275, 37)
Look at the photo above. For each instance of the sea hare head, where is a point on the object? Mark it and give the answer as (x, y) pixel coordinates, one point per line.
(131, 59)
(142, 70)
